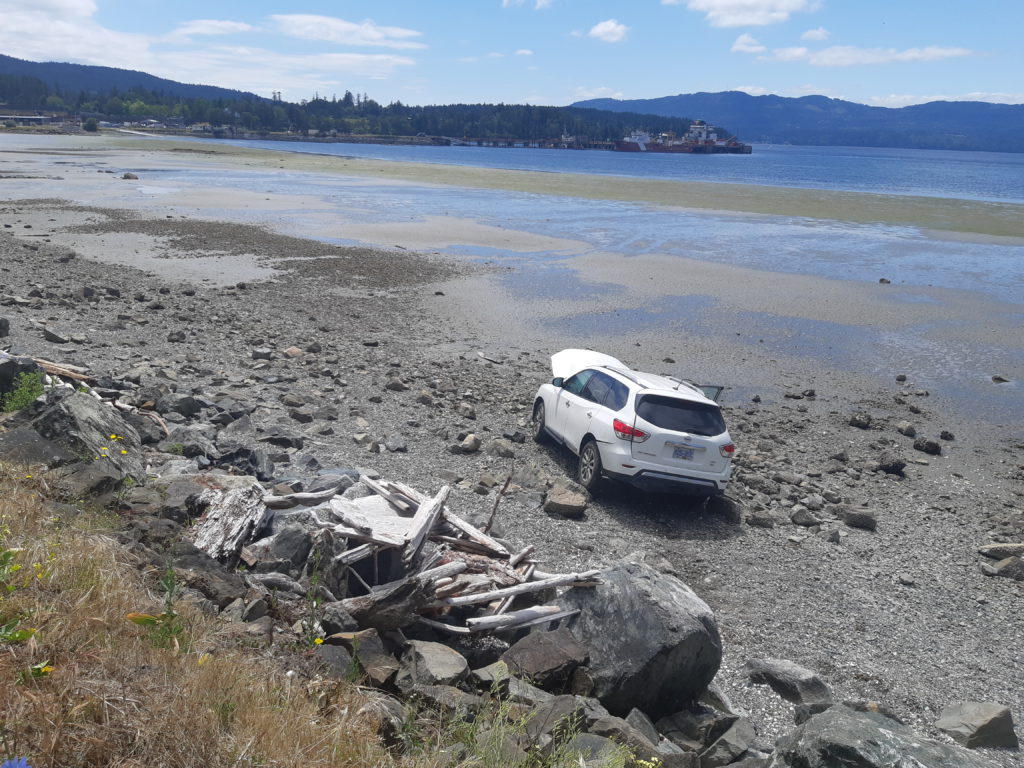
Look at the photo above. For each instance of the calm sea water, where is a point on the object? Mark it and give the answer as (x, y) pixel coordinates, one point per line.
(965, 175)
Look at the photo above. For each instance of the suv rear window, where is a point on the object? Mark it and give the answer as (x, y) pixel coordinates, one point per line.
(681, 415)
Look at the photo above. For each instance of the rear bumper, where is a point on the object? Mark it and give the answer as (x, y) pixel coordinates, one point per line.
(665, 482)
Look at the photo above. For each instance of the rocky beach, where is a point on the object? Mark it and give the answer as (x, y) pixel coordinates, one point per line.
(873, 531)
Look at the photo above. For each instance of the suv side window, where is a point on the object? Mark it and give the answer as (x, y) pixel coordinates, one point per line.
(618, 394)
(607, 391)
(575, 384)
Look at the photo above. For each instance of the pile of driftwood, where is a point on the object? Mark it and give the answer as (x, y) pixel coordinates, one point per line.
(453, 575)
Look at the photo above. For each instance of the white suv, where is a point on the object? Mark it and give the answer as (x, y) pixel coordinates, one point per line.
(655, 432)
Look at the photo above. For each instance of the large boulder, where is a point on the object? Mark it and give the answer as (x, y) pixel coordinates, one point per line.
(792, 682)
(547, 659)
(841, 736)
(92, 431)
(653, 643)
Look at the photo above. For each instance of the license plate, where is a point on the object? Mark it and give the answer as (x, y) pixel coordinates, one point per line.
(684, 452)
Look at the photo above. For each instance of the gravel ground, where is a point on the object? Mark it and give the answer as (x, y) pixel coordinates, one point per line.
(903, 615)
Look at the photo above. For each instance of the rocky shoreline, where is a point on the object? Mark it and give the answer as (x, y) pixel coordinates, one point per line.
(848, 544)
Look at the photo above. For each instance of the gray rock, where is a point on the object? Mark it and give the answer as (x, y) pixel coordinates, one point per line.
(547, 659)
(567, 501)
(861, 420)
(427, 663)
(622, 732)
(470, 444)
(279, 582)
(337, 660)
(448, 699)
(336, 619)
(91, 430)
(906, 429)
(928, 445)
(5, 327)
(792, 682)
(801, 515)
(855, 517)
(466, 410)
(23, 445)
(730, 746)
(653, 643)
(55, 337)
(841, 736)
(197, 570)
(891, 463)
(367, 648)
(979, 724)
(1001, 551)
(695, 728)
(500, 447)
(1010, 568)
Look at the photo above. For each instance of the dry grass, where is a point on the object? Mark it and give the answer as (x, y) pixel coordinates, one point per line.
(114, 697)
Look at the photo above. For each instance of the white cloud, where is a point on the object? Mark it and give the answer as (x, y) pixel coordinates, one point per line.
(610, 31)
(524, 52)
(538, 5)
(210, 27)
(582, 93)
(335, 30)
(746, 13)
(747, 44)
(816, 34)
(42, 30)
(753, 90)
(851, 56)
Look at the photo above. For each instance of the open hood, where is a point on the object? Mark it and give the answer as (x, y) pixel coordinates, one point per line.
(569, 361)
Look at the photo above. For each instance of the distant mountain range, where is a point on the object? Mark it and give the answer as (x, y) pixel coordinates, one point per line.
(73, 78)
(818, 120)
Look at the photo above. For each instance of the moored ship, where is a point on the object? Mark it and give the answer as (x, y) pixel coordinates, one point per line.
(700, 139)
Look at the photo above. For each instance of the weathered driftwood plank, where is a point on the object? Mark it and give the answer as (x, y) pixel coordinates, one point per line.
(518, 557)
(293, 499)
(441, 571)
(400, 501)
(464, 544)
(521, 589)
(540, 620)
(356, 554)
(371, 515)
(234, 509)
(371, 537)
(440, 625)
(513, 618)
(475, 534)
(506, 602)
(423, 522)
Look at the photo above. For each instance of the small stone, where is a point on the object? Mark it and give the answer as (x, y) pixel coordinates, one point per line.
(906, 429)
(946, 435)
(262, 353)
(884, 281)
(293, 352)
(906, 580)
(1010, 568)
(395, 384)
(129, 176)
(861, 420)
(928, 445)
(856, 517)
(5, 327)
(891, 463)
(470, 444)
(801, 515)
(1000, 379)
(466, 410)
(566, 501)
(901, 377)
(53, 336)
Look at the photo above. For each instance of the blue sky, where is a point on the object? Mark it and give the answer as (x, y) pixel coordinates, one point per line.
(879, 52)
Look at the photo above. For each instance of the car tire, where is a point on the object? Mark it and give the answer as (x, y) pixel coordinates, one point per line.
(589, 473)
(540, 434)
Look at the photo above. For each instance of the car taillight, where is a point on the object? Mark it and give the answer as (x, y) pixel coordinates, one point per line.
(625, 432)
(728, 451)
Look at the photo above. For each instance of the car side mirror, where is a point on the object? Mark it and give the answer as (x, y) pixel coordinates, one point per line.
(558, 381)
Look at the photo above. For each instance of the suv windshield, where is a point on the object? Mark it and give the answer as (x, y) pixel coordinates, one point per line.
(681, 415)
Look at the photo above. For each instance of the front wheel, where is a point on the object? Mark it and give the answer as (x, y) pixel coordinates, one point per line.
(589, 475)
(537, 423)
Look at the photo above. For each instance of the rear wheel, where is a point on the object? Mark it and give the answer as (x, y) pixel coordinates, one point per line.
(540, 435)
(589, 474)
